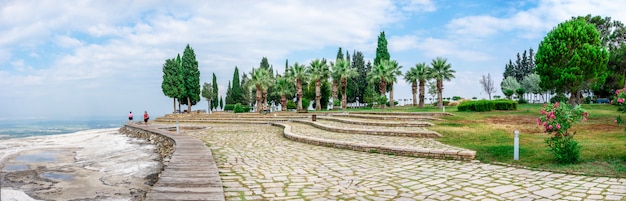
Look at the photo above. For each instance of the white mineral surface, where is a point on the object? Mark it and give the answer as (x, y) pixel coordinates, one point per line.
(88, 165)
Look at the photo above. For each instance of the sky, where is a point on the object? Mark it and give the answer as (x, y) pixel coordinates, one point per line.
(90, 59)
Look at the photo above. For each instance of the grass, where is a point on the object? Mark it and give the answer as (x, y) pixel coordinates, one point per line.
(490, 134)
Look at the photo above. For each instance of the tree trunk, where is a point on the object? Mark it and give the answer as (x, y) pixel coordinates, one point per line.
(422, 95)
(299, 93)
(344, 98)
(283, 102)
(179, 108)
(188, 104)
(318, 94)
(258, 97)
(209, 104)
(414, 91)
(174, 106)
(439, 95)
(391, 103)
(383, 91)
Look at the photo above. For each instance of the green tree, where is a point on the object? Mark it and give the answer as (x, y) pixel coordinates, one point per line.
(215, 92)
(208, 94)
(246, 93)
(509, 83)
(339, 54)
(382, 54)
(237, 90)
(382, 74)
(358, 84)
(283, 87)
(343, 72)
(441, 71)
(261, 80)
(192, 77)
(229, 94)
(395, 72)
(570, 56)
(221, 103)
(420, 73)
(172, 84)
(299, 74)
(318, 71)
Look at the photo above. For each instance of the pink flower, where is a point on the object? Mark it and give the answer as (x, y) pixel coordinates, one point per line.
(611, 101)
(543, 111)
(620, 100)
(617, 92)
(539, 122)
(615, 121)
(584, 118)
(558, 126)
(585, 114)
(549, 127)
(556, 104)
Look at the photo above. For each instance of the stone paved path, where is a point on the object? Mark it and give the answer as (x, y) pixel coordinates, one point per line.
(257, 163)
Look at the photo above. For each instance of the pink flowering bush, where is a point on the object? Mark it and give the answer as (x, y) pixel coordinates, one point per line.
(619, 100)
(557, 119)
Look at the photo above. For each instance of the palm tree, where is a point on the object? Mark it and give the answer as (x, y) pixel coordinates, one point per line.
(381, 73)
(395, 71)
(282, 88)
(318, 70)
(419, 73)
(298, 72)
(343, 72)
(441, 70)
(261, 80)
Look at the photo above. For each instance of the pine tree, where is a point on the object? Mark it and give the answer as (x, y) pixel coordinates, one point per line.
(357, 84)
(221, 103)
(382, 53)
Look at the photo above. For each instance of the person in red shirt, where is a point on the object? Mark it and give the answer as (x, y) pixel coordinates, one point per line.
(146, 117)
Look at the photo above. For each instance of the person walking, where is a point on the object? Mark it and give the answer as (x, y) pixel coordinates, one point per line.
(146, 117)
(130, 117)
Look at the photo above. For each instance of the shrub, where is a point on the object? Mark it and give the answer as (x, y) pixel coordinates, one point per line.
(522, 101)
(503, 104)
(588, 100)
(238, 108)
(496, 97)
(508, 93)
(558, 118)
(620, 101)
(559, 98)
(474, 98)
(229, 107)
(305, 103)
(291, 105)
(456, 98)
(336, 103)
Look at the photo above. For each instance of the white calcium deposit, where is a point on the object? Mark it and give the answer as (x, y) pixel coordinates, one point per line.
(95, 164)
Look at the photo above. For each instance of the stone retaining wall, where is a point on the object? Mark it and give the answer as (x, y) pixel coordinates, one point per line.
(164, 144)
(388, 124)
(403, 151)
(425, 134)
(387, 117)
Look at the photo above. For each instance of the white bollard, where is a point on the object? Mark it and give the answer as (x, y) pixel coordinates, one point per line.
(444, 109)
(516, 146)
(176, 126)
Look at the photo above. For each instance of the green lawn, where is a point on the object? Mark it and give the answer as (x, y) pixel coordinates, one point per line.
(491, 135)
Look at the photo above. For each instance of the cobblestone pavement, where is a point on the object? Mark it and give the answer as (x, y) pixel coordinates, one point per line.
(415, 142)
(257, 163)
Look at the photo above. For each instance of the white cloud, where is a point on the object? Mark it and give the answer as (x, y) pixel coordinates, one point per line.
(535, 22)
(402, 43)
(67, 42)
(432, 47)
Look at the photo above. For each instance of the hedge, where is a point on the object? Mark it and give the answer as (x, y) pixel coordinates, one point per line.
(229, 107)
(487, 105)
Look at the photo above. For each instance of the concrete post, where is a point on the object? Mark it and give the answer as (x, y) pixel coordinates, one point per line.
(516, 146)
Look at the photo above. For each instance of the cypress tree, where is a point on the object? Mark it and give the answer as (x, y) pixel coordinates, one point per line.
(191, 77)
(381, 50)
(237, 91)
(339, 54)
(229, 94)
(215, 92)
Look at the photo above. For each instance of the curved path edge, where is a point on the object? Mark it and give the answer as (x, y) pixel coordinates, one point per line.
(424, 134)
(396, 150)
(191, 173)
